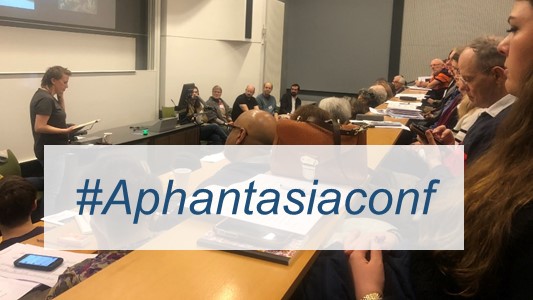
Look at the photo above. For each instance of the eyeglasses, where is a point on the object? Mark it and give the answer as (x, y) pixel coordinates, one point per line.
(233, 126)
(469, 79)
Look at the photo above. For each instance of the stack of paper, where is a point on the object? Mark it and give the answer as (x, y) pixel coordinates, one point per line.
(404, 110)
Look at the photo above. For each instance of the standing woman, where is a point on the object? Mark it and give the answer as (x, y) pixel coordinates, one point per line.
(497, 260)
(47, 113)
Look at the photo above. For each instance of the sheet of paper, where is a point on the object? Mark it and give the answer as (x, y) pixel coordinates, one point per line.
(58, 218)
(414, 87)
(79, 126)
(377, 111)
(382, 124)
(11, 289)
(10, 254)
(403, 105)
(213, 158)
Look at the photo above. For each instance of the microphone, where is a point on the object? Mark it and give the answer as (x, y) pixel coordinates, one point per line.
(173, 102)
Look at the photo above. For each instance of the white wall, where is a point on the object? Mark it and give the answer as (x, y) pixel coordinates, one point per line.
(432, 28)
(117, 99)
(203, 42)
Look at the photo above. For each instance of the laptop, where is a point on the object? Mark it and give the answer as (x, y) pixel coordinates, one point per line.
(163, 125)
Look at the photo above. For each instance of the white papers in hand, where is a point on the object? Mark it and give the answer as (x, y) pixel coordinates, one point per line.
(80, 126)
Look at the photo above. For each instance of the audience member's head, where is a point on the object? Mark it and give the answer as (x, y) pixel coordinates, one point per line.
(338, 108)
(448, 62)
(310, 110)
(453, 62)
(267, 88)
(369, 97)
(216, 92)
(482, 71)
(389, 87)
(195, 92)
(359, 106)
(249, 91)
(295, 89)
(399, 83)
(17, 201)
(437, 65)
(380, 93)
(253, 127)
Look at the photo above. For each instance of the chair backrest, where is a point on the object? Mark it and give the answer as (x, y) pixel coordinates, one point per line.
(168, 112)
(290, 132)
(11, 165)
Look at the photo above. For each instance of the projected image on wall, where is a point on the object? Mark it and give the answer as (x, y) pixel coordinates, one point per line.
(83, 6)
(25, 4)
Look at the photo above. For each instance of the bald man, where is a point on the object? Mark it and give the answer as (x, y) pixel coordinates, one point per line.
(266, 101)
(253, 127)
(244, 102)
(440, 79)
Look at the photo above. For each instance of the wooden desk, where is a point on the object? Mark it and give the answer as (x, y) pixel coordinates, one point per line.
(206, 274)
(193, 275)
(385, 136)
(187, 134)
(203, 274)
(389, 136)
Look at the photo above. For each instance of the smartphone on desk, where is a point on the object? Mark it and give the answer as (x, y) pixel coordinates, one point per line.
(38, 262)
(250, 233)
(421, 132)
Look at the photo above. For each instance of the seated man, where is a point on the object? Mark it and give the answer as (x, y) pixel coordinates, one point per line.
(253, 127)
(18, 199)
(220, 108)
(266, 101)
(244, 102)
(482, 76)
(440, 79)
(290, 102)
(399, 84)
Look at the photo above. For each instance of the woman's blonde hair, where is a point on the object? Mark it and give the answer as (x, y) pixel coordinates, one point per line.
(465, 106)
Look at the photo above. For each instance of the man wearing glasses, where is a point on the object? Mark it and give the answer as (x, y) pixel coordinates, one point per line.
(440, 79)
(482, 74)
(399, 83)
(255, 127)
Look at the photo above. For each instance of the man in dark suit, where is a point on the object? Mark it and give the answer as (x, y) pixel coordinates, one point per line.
(290, 101)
